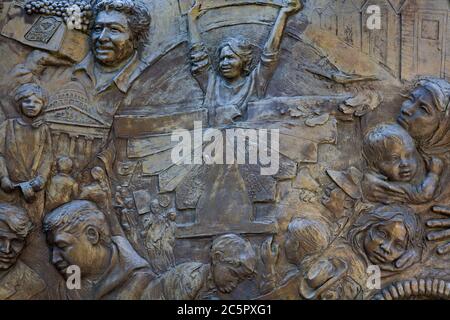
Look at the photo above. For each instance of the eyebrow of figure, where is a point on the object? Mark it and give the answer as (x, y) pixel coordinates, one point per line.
(109, 24)
(425, 102)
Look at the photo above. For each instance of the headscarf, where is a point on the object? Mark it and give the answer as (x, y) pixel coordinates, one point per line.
(439, 143)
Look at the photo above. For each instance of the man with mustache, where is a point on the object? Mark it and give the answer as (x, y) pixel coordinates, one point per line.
(117, 36)
(92, 91)
(17, 280)
(79, 235)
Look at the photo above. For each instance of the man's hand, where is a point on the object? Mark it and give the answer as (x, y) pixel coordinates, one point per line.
(436, 166)
(269, 252)
(196, 10)
(43, 58)
(7, 185)
(292, 6)
(407, 260)
(37, 184)
(443, 224)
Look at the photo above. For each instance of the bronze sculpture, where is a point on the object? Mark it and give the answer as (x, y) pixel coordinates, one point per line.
(136, 139)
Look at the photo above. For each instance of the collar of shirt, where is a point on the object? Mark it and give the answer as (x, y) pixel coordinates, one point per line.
(35, 124)
(124, 77)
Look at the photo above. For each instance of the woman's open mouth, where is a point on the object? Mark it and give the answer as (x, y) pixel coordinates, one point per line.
(406, 174)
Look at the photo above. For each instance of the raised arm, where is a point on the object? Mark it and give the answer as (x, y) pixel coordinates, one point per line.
(193, 15)
(274, 41)
(269, 57)
(200, 63)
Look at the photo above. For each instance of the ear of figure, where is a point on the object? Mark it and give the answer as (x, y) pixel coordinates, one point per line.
(92, 235)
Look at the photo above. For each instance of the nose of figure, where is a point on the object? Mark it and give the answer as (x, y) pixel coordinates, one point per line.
(386, 247)
(408, 109)
(104, 36)
(5, 246)
(56, 257)
(404, 164)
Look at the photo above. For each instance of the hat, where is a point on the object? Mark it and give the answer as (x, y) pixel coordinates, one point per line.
(321, 276)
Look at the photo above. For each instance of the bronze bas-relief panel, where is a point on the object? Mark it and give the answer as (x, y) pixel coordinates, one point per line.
(200, 149)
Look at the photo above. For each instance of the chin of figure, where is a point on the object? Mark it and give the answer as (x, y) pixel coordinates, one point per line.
(6, 263)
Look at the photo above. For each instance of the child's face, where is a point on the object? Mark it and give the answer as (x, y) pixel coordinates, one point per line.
(11, 246)
(65, 165)
(399, 162)
(31, 106)
(385, 242)
(231, 64)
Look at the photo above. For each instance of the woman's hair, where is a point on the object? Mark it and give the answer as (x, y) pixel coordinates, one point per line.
(439, 89)
(392, 213)
(242, 48)
(439, 143)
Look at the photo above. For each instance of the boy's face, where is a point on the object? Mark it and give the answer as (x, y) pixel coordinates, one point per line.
(11, 246)
(231, 64)
(31, 106)
(385, 242)
(399, 161)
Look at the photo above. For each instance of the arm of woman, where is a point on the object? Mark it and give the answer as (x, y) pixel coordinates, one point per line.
(269, 58)
(199, 58)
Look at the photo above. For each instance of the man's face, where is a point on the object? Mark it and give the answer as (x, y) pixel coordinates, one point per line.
(68, 249)
(11, 246)
(112, 41)
(231, 65)
(31, 106)
(386, 242)
(225, 276)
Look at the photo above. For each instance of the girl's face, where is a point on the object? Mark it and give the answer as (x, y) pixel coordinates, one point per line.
(419, 115)
(230, 65)
(31, 106)
(385, 242)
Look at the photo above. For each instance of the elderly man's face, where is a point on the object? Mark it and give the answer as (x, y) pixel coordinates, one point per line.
(68, 249)
(112, 41)
(11, 246)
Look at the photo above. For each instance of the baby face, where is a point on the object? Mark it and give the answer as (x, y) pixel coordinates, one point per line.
(385, 242)
(31, 106)
(399, 161)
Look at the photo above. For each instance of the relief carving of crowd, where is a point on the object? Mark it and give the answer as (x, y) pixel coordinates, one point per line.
(86, 178)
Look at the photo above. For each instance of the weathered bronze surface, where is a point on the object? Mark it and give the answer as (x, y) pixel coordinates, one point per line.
(98, 200)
